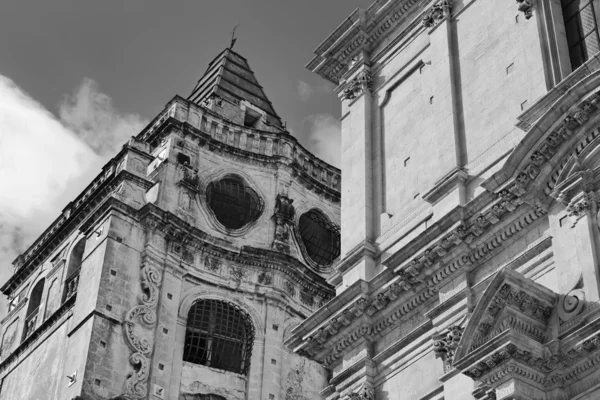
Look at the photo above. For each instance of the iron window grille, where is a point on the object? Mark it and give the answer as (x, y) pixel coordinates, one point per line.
(581, 30)
(320, 237)
(219, 335)
(233, 203)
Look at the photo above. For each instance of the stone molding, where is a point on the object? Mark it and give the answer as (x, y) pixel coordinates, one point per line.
(175, 230)
(362, 30)
(280, 148)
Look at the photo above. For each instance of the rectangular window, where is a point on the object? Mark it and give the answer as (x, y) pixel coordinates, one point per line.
(581, 30)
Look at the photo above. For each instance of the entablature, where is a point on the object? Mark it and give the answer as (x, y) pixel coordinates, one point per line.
(245, 143)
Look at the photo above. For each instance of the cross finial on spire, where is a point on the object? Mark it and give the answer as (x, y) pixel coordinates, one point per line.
(233, 38)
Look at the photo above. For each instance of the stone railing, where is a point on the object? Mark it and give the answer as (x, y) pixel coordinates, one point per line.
(272, 144)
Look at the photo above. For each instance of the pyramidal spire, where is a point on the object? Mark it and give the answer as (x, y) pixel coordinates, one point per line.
(229, 77)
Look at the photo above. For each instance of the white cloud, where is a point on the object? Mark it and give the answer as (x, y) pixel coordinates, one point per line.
(91, 114)
(44, 163)
(304, 90)
(325, 137)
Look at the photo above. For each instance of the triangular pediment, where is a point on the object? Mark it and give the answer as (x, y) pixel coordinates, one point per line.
(513, 309)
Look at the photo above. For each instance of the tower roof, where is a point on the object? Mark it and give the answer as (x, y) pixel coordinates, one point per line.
(230, 77)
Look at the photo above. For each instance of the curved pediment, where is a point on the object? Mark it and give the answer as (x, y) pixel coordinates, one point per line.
(512, 305)
(567, 129)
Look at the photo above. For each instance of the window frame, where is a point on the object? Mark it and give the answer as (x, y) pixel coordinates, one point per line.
(217, 342)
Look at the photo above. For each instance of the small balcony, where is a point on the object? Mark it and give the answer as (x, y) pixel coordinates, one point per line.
(71, 286)
(31, 322)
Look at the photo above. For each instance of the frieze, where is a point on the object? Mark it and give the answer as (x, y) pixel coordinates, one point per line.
(409, 283)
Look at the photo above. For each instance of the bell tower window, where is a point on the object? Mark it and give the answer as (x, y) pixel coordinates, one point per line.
(581, 29)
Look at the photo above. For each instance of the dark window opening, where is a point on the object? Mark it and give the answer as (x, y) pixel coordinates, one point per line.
(251, 118)
(183, 159)
(33, 309)
(581, 29)
(73, 269)
(233, 203)
(219, 335)
(320, 237)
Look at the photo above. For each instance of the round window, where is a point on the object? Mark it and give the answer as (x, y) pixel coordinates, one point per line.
(233, 203)
(320, 237)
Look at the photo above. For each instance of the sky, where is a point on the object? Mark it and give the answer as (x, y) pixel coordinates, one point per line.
(78, 78)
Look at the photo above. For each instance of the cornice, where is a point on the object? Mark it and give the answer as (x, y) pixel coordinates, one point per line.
(75, 216)
(278, 150)
(363, 30)
(365, 249)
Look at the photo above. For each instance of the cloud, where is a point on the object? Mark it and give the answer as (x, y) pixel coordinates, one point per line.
(91, 114)
(46, 162)
(325, 137)
(304, 91)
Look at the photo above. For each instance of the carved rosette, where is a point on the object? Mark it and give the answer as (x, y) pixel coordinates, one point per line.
(284, 215)
(140, 317)
(359, 84)
(440, 10)
(445, 345)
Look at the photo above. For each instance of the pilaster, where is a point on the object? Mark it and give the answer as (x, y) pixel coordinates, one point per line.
(357, 161)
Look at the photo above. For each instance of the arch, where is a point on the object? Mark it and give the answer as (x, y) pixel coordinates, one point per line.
(199, 293)
(552, 138)
(73, 269)
(33, 308)
(219, 334)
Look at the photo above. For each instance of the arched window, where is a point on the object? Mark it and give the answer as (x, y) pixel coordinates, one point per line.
(33, 309)
(320, 237)
(219, 335)
(233, 203)
(72, 277)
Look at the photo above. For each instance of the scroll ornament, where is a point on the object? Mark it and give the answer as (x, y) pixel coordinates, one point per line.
(141, 347)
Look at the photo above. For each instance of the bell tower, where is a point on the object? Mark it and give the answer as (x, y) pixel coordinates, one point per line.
(184, 266)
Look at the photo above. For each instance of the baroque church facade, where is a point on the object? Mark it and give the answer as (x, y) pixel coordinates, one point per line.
(455, 258)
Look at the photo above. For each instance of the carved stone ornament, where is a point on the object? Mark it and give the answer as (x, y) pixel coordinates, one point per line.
(284, 215)
(140, 317)
(526, 7)
(580, 205)
(359, 84)
(513, 345)
(212, 264)
(445, 344)
(364, 393)
(440, 10)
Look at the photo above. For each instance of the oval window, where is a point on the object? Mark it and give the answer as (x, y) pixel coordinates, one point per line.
(233, 203)
(320, 237)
